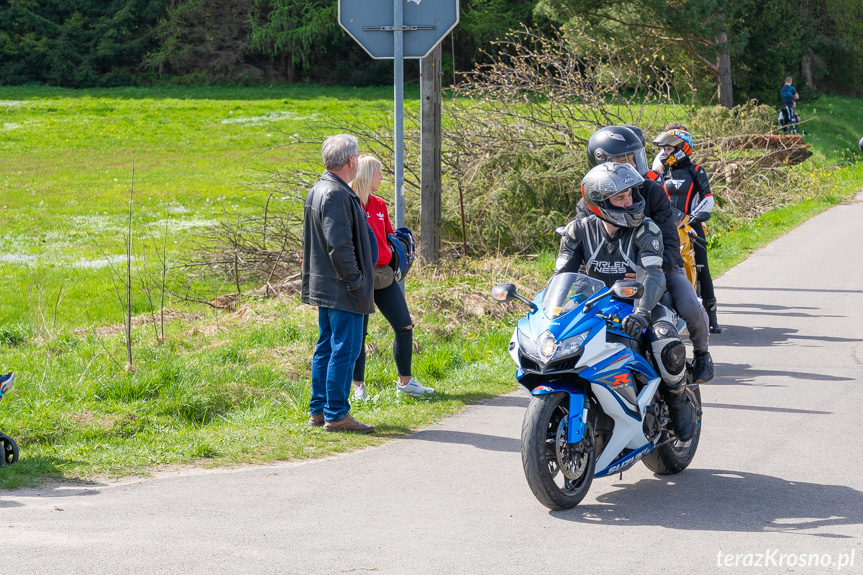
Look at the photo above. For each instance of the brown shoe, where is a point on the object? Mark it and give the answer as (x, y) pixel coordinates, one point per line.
(348, 423)
(316, 420)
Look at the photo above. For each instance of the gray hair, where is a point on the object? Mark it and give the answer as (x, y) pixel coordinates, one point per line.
(336, 150)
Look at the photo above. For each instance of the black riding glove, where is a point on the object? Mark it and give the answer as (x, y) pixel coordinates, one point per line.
(633, 324)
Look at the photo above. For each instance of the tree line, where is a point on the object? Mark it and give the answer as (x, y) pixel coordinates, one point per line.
(735, 49)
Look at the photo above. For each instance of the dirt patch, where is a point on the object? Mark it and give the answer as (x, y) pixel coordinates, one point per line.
(143, 319)
(87, 418)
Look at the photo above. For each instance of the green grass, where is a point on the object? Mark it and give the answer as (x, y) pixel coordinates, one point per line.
(834, 126)
(235, 388)
(231, 388)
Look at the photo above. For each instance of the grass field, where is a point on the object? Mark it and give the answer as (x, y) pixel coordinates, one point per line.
(223, 387)
(66, 169)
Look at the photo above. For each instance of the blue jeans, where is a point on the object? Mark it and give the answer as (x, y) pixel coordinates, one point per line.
(339, 343)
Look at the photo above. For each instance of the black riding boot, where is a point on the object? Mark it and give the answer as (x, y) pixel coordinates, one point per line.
(684, 420)
(710, 306)
(702, 367)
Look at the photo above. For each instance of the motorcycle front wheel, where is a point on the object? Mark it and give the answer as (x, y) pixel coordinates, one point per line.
(558, 473)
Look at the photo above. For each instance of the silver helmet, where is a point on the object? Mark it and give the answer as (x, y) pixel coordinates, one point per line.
(607, 180)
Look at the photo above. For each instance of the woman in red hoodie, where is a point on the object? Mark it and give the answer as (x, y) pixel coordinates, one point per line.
(389, 298)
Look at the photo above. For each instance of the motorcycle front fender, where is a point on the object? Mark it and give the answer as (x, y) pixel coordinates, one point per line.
(577, 411)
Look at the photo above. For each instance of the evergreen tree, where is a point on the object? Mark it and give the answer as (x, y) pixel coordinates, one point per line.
(700, 27)
(74, 43)
(295, 32)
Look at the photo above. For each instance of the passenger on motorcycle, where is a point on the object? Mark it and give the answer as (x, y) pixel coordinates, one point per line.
(688, 188)
(622, 144)
(616, 240)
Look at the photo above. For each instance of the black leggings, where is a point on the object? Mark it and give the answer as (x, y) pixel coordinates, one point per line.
(391, 303)
(704, 278)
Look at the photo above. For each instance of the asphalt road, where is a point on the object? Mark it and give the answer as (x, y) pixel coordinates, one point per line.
(777, 475)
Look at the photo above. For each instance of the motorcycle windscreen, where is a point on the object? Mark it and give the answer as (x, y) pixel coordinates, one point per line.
(566, 291)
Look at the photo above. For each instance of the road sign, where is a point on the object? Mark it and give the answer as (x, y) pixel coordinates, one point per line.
(398, 29)
(372, 23)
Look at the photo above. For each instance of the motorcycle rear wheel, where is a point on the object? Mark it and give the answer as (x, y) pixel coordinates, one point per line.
(559, 474)
(676, 456)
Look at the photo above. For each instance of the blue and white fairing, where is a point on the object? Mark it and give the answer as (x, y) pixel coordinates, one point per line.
(562, 347)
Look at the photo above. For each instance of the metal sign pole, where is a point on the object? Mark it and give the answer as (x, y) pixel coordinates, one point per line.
(399, 85)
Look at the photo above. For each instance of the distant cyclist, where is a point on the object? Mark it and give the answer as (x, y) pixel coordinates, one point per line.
(789, 94)
(787, 113)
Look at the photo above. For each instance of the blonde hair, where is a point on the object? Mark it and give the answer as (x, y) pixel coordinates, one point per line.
(367, 167)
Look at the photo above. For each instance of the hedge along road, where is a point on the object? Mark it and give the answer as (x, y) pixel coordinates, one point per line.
(777, 479)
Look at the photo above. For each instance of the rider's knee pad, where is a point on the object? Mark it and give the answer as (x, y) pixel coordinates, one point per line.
(662, 314)
(670, 354)
(674, 358)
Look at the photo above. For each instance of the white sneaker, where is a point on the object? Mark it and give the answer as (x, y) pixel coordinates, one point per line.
(6, 382)
(360, 393)
(413, 387)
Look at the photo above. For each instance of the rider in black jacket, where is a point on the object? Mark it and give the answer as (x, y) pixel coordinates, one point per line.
(688, 188)
(614, 241)
(625, 144)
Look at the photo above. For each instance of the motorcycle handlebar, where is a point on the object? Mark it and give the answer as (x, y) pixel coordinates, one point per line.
(698, 240)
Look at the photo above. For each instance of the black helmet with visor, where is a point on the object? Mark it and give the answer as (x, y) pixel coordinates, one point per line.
(607, 180)
(637, 131)
(617, 144)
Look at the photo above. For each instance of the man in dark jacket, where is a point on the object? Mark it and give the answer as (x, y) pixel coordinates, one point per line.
(337, 273)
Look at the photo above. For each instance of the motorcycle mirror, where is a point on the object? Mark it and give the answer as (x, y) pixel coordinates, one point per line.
(701, 216)
(503, 292)
(628, 289)
(506, 292)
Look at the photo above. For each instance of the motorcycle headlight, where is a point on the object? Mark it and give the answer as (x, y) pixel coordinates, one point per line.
(546, 348)
(546, 345)
(571, 345)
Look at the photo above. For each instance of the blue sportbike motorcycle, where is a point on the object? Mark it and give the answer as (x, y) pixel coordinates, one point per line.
(596, 408)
